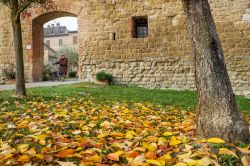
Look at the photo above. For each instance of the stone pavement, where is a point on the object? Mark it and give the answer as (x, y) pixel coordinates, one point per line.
(39, 84)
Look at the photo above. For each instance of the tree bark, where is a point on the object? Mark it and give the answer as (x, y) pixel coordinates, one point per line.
(18, 44)
(217, 114)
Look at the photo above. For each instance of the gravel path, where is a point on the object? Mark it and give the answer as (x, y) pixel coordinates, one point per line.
(39, 84)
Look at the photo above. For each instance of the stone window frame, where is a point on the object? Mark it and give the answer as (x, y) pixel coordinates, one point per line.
(60, 42)
(48, 42)
(136, 21)
(74, 39)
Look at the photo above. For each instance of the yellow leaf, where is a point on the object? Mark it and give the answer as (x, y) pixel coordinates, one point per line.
(32, 152)
(117, 135)
(180, 164)
(66, 163)
(174, 141)
(42, 142)
(7, 157)
(102, 135)
(188, 147)
(94, 159)
(85, 128)
(115, 156)
(203, 141)
(97, 150)
(205, 161)
(215, 141)
(215, 163)
(130, 134)
(139, 159)
(23, 147)
(245, 160)
(152, 147)
(200, 154)
(140, 149)
(119, 152)
(166, 157)
(88, 152)
(166, 134)
(242, 150)
(40, 137)
(20, 135)
(227, 151)
(191, 162)
(162, 141)
(154, 162)
(163, 163)
(40, 156)
(146, 124)
(78, 149)
(176, 150)
(24, 159)
(185, 156)
(145, 145)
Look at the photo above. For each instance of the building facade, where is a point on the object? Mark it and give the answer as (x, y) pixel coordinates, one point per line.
(141, 42)
(56, 38)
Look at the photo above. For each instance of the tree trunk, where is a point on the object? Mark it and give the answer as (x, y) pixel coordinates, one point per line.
(217, 114)
(18, 45)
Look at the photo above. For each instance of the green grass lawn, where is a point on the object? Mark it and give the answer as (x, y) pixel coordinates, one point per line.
(179, 99)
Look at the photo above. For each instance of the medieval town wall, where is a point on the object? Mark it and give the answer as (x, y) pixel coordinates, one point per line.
(163, 59)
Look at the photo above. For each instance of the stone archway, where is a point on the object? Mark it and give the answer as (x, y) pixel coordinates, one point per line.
(38, 41)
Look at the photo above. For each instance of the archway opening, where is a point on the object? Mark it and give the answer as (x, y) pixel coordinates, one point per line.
(52, 36)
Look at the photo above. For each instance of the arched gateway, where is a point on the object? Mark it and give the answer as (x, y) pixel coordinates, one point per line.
(33, 34)
(37, 56)
(141, 42)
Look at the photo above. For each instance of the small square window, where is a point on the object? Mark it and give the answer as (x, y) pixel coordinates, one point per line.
(140, 27)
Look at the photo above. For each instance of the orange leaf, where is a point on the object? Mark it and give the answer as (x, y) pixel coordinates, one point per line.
(24, 159)
(115, 156)
(150, 155)
(140, 149)
(132, 154)
(242, 150)
(65, 153)
(48, 158)
(228, 152)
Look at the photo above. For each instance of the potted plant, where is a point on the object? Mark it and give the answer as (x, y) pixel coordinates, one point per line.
(103, 78)
(9, 74)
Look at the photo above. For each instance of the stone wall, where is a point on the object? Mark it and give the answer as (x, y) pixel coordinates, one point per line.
(164, 58)
(161, 60)
(5, 41)
(158, 72)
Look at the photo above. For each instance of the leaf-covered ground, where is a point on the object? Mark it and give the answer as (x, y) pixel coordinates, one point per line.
(82, 131)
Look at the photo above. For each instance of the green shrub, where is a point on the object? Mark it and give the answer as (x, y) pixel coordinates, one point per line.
(228, 160)
(72, 74)
(46, 73)
(9, 72)
(103, 76)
